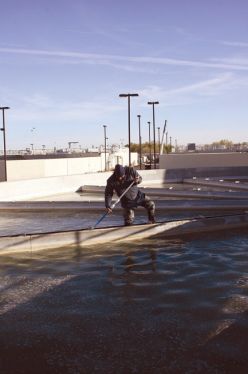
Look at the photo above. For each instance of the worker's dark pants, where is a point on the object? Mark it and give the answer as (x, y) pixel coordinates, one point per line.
(148, 204)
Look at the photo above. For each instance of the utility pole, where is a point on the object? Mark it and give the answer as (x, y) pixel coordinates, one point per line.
(105, 146)
(158, 140)
(162, 141)
(139, 141)
(150, 147)
(3, 108)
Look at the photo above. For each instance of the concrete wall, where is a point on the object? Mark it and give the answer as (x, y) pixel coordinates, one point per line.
(43, 168)
(33, 178)
(200, 160)
(33, 188)
(181, 166)
(2, 170)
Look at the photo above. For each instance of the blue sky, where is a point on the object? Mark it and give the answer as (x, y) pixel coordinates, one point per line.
(63, 64)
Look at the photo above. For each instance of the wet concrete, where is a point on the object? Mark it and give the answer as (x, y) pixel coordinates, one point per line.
(158, 307)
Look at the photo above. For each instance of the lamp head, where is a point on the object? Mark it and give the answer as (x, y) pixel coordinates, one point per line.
(128, 94)
(153, 102)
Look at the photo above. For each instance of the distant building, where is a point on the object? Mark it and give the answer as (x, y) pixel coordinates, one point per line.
(191, 147)
(121, 156)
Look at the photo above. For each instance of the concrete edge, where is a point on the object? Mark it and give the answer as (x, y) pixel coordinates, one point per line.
(84, 238)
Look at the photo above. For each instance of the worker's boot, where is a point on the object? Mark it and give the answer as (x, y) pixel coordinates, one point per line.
(151, 217)
(128, 217)
(150, 206)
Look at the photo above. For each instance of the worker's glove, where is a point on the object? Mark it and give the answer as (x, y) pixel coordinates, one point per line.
(109, 210)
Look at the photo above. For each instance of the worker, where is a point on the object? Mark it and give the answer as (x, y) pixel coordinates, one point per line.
(118, 182)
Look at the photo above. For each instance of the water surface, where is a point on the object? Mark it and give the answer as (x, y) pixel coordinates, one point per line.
(175, 306)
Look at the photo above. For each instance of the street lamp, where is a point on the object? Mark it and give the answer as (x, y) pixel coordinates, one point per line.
(3, 108)
(139, 141)
(150, 147)
(105, 146)
(128, 95)
(154, 136)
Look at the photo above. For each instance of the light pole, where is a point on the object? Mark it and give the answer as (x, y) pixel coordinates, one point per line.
(150, 147)
(139, 141)
(154, 136)
(3, 108)
(105, 146)
(128, 95)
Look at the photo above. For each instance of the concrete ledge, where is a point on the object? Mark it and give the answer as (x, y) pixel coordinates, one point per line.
(118, 234)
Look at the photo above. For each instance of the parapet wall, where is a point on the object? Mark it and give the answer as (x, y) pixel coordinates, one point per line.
(188, 165)
(43, 168)
(201, 160)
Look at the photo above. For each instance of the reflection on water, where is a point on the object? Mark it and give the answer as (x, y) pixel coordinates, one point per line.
(14, 223)
(26, 222)
(178, 306)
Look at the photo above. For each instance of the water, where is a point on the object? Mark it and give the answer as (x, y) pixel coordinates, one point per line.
(175, 306)
(19, 223)
(28, 222)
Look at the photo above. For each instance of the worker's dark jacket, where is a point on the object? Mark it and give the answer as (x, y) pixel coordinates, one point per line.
(133, 197)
